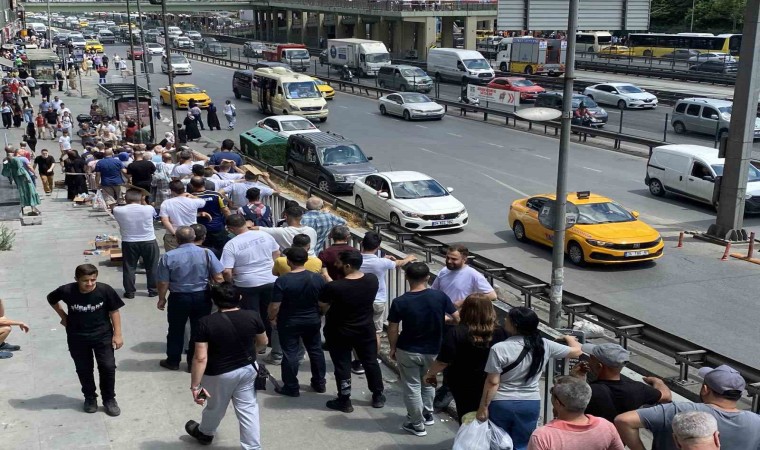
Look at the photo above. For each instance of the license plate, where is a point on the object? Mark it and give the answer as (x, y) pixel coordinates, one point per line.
(442, 222)
(637, 253)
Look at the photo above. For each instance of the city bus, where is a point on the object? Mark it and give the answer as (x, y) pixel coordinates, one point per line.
(592, 41)
(659, 44)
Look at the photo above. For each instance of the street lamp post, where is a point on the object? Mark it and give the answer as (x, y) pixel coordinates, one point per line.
(693, 5)
(49, 34)
(169, 69)
(145, 52)
(134, 71)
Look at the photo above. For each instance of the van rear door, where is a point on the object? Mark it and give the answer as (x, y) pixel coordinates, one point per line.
(670, 168)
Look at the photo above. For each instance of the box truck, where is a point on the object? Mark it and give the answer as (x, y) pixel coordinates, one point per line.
(294, 55)
(362, 55)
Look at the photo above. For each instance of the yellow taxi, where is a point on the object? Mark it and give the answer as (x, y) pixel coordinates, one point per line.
(613, 51)
(325, 89)
(93, 45)
(604, 233)
(183, 93)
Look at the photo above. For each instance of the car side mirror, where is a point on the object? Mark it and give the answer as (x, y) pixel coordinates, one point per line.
(635, 214)
(714, 117)
(369, 158)
(383, 195)
(450, 189)
(709, 178)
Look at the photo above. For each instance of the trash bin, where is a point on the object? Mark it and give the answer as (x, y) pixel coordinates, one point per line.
(264, 145)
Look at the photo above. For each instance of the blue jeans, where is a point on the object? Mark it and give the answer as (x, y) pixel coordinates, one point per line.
(517, 417)
(180, 307)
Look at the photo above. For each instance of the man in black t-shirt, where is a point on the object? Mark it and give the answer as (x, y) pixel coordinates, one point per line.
(44, 164)
(349, 326)
(93, 327)
(610, 393)
(226, 344)
(294, 311)
(141, 171)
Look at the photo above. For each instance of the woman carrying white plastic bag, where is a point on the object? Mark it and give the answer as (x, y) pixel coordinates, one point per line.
(476, 435)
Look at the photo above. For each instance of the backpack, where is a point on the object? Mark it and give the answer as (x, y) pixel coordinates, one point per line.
(261, 216)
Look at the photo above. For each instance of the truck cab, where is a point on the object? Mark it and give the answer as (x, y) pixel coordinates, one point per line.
(295, 55)
(364, 56)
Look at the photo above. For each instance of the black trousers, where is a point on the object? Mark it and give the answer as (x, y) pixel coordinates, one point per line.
(290, 340)
(82, 352)
(258, 299)
(365, 346)
(132, 252)
(215, 240)
(181, 307)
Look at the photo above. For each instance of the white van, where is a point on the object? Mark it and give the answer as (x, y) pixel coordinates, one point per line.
(279, 90)
(459, 65)
(175, 31)
(690, 171)
(38, 28)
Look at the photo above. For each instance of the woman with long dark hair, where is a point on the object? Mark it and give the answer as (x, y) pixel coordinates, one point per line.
(465, 352)
(31, 136)
(511, 397)
(18, 115)
(74, 167)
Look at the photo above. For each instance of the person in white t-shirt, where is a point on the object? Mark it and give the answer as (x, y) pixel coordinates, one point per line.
(64, 142)
(236, 191)
(248, 259)
(138, 241)
(379, 266)
(284, 235)
(180, 210)
(185, 167)
(458, 280)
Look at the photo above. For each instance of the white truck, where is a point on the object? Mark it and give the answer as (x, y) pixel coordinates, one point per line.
(362, 55)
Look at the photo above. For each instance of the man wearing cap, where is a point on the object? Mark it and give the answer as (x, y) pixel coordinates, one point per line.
(721, 390)
(610, 393)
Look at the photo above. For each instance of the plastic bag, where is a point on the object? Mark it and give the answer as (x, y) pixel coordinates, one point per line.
(590, 329)
(472, 435)
(499, 439)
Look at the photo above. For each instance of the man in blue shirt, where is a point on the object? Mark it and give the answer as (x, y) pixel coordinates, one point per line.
(108, 175)
(212, 215)
(225, 152)
(185, 271)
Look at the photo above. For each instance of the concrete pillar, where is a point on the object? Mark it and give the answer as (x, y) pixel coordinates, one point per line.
(320, 28)
(304, 18)
(360, 28)
(266, 19)
(470, 25)
(379, 31)
(398, 39)
(340, 30)
(447, 32)
(426, 36)
(289, 26)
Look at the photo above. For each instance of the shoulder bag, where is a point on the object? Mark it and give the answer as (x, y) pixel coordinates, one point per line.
(262, 374)
(517, 361)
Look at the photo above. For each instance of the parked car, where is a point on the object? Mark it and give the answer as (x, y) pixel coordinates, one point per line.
(717, 66)
(215, 49)
(554, 100)
(623, 95)
(287, 125)
(528, 90)
(680, 54)
(253, 49)
(410, 105)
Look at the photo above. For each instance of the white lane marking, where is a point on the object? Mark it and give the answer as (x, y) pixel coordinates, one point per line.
(371, 113)
(506, 185)
(494, 145)
(426, 150)
(421, 126)
(342, 106)
(541, 156)
(454, 134)
(593, 170)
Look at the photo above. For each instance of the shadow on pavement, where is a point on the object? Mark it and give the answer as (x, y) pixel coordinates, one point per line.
(149, 347)
(150, 365)
(52, 401)
(183, 442)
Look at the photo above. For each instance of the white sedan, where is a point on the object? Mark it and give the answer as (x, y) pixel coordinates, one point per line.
(154, 48)
(287, 125)
(623, 95)
(411, 200)
(711, 56)
(411, 105)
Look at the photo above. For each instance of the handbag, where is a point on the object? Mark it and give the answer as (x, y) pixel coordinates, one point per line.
(262, 374)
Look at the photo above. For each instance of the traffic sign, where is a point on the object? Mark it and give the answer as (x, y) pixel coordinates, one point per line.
(487, 94)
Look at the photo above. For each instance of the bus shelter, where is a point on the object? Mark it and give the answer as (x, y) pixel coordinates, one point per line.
(118, 99)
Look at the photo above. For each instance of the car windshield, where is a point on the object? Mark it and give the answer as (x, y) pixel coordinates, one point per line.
(301, 89)
(607, 212)
(296, 125)
(725, 109)
(754, 172)
(342, 154)
(416, 72)
(588, 102)
(179, 59)
(629, 89)
(320, 82)
(524, 83)
(416, 98)
(378, 58)
(188, 90)
(418, 189)
(297, 54)
(476, 64)
(257, 45)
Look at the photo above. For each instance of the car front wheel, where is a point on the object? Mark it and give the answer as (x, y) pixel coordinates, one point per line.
(323, 185)
(621, 104)
(382, 110)
(575, 252)
(407, 116)
(395, 220)
(358, 202)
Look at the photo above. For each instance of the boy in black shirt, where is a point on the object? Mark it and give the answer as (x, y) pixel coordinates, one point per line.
(93, 326)
(350, 326)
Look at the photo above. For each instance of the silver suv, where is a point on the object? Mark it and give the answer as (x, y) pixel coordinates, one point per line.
(704, 115)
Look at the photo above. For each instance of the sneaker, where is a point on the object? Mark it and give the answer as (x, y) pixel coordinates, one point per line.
(90, 405)
(6, 355)
(429, 419)
(191, 427)
(378, 400)
(356, 367)
(165, 364)
(9, 347)
(417, 430)
(282, 391)
(129, 295)
(340, 404)
(319, 387)
(112, 408)
(443, 398)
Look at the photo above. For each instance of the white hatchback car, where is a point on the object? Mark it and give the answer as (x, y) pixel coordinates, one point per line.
(411, 200)
(622, 95)
(287, 125)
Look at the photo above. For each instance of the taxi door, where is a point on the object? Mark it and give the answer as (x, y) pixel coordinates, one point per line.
(533, 228)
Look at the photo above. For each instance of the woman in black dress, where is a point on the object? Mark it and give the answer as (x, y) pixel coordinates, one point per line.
(191, 128)
(211, 119)
(31, 136)
(73, 166)
(465, 351)
(18, 115)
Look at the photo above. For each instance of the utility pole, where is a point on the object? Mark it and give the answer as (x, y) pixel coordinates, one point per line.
(49, 34)
(169, 69)
(145, 53)
(134, 72)
(560, 205)
(733, 186)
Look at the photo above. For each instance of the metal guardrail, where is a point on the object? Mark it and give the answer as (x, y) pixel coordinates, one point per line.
(657, 72)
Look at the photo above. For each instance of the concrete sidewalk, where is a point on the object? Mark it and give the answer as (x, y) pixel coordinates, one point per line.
(42, 401)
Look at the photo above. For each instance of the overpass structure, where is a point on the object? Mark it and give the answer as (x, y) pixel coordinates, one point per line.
(402, 25)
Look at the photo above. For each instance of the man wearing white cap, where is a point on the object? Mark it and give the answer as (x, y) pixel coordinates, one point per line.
(721, 390)
(612, 394)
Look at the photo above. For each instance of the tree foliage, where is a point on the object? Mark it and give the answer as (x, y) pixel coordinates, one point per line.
(714, 16)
